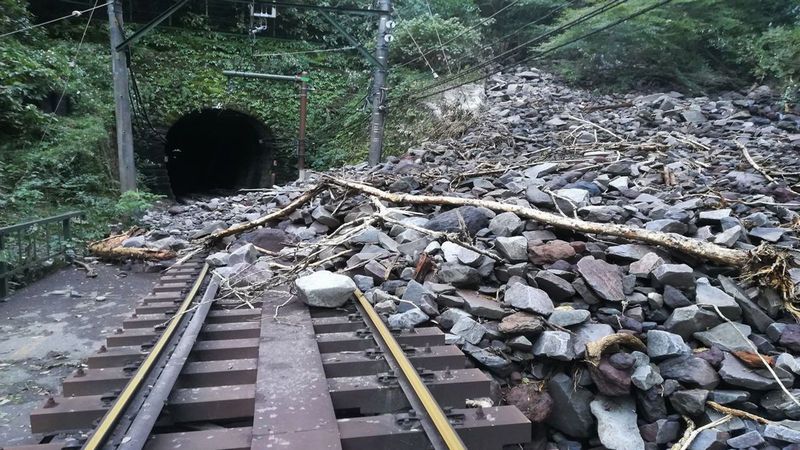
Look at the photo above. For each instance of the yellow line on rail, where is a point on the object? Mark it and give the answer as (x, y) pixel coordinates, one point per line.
(432, 408)
(112, 416)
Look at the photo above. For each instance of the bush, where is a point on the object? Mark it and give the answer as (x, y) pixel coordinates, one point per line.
(687, 43)
(775, 57)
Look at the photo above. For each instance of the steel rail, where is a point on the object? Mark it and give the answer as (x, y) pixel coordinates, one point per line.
(112, 416)
(439, 429)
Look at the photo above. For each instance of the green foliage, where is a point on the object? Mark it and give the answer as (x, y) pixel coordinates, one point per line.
(775, 57)
(425, 34)
(132, 204)
(686, 43)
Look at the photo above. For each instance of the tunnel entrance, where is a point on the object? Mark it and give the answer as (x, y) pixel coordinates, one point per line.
(218, 149)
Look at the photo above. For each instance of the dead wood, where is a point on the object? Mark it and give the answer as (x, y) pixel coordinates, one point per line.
(285, 211)
(111, 248)
(693, 247)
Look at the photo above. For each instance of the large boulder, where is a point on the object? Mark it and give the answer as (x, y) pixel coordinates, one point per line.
(325, 289)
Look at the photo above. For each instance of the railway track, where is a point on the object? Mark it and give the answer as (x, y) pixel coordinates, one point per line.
(190, 371)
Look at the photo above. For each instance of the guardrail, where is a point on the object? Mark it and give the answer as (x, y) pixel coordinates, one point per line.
(25, 246)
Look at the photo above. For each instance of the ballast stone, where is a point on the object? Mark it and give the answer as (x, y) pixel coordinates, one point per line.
(325, 289)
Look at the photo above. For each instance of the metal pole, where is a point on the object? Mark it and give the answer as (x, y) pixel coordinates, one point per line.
(378, 85)
(301, 133)
(122, 101)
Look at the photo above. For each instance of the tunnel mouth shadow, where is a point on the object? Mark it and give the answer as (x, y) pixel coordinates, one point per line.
(212, 150)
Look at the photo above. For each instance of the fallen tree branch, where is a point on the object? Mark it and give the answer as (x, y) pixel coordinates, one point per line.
(703, 250)
(242, 227)
(736, 412)
(111, 248)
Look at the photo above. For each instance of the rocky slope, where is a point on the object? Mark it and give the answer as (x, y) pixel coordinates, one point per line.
(524, 299)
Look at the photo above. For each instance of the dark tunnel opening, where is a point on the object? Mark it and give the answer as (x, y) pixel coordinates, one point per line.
(218, 149)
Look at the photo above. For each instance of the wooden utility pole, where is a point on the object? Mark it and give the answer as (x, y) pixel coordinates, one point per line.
(301, 132)
(122, 100)
(303, 79)
(379, 84)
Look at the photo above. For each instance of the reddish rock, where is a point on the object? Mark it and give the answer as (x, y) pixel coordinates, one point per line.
(610, 380)
(534, 404)
(550, 252)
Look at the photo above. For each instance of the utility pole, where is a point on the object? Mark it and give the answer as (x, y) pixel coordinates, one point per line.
(379, 84)
(122, 100)
(301, 132)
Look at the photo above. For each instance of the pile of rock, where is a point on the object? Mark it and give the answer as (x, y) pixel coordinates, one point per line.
(524, 300)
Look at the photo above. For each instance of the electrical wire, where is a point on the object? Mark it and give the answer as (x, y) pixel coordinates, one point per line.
(552, 49)
(72, 65)
(439, 38)
(458, 35)
(324, 50)
(41, 24)
(508, 53)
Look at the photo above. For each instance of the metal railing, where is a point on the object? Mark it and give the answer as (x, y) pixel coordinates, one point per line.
(24, 247)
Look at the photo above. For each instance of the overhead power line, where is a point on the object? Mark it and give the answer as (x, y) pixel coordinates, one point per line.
(552, 49)
(303, 52)
(41, 24)
(458, 35)
(508, 53)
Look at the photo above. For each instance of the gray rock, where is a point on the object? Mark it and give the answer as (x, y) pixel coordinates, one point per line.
(474, 219)
(407, 319)
(713, 216)
(218, 259)
(209, 228)
(469, 329)
(170, 243)
(644, 266)
(543, 169)
(420, 297)
(520, 343)
(325, 289)
(690, 370)
(459, 275)
(662, 344)
(364, 283)
(386, 307)
(556, 287)
(555, 345)
(687, 320)
(481, 306)
(515, 248)
(733, 372)
(628, 253)
(787, 362)
(690, 402)
(646, 376)
(662, 431)
(495, 363)
(321, 215)
(506, 224)
(729, 237)
(786, 431)
(529, 298)
(677, 275)
(570, 200)
(616, 423)
(605, 279)
(454, 253)
(710, 296)
(666, 226)
(245, 254)
(727, 396)
(749, 439)
(751, 312)
(767, 234)
(586, 333)
(134, 242)
(727, 337)
(568, 317)
(779, 405)
(693, 116)
(571, 411)
(448, 318)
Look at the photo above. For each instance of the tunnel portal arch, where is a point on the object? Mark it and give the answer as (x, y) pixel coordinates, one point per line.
(214, 149)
